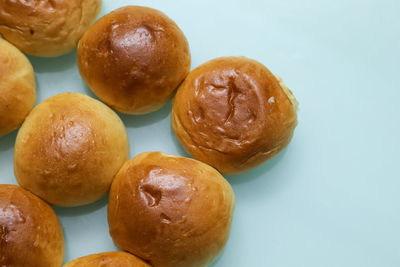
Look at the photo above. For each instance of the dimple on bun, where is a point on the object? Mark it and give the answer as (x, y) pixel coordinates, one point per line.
(17, 87)
(108, 259)
(233, 114)
(30, 233)
(46, 28)
(69, 148)
(170, 211)
(133, 59)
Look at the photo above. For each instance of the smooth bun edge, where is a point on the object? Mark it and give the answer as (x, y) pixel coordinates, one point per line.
(109, 255)
(35, 112)
(215, 175)
(28, 79)
(142, 157)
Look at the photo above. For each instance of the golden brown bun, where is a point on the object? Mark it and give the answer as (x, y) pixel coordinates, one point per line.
(30, 233)
(171, 211)
(134, 58)
(46, 28)
(108, 259)
(233, 114)
(69, 149)
(17, 87)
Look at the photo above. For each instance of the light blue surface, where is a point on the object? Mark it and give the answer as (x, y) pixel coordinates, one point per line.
(332, 197)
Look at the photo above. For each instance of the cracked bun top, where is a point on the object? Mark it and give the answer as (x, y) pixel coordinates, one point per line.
(108, 259)
(69, 149)
(46, 28)
(17, 87)
(170, 211)
(233, 114)
(134, 58)
(30, 233)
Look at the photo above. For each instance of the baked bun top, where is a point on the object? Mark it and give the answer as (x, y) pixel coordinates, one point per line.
(108, 259)
(134, 58)
(171, 211)
(233, 114)
(17, 87)
(30, 233)
(46, 28)
(69, 149)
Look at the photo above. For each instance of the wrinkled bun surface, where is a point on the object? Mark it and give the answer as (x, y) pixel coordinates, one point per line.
(108, 259)
(30, 233)
(46, 28)
(134, 58)
(69, 149)
(170, 211)
(233, 114)
(17, 87)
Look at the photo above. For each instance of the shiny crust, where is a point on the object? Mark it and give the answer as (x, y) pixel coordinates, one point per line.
(17, 87)
(69, 149)
(46, 28)
(30, 233)
(171, 211)
(134, 58)
(232, 113)
(108, 259)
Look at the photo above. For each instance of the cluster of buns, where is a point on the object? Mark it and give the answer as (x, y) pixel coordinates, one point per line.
(231, 114)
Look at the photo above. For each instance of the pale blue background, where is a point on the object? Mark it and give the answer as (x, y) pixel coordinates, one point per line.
(332, 197)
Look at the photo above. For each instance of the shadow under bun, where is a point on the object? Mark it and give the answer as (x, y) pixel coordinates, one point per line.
(17, 87)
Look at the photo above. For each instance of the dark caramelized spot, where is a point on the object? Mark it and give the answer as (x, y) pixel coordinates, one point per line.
(3, 236)
(150, 194)
(165, 218)
(225, 110)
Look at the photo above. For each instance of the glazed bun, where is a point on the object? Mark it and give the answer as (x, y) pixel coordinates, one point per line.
(17, 87)
(134, 58)
(46, 28)
(233, 114)
(30, 233)
(108, 259)
(69, 149)
(170, 211)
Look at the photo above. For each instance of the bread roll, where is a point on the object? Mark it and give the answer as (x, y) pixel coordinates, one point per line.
(69, 149)
(30, 233)
(108, 259)
(133, 59)
(17, 87)
(171, 211)
(46, 28)
(233, 114)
